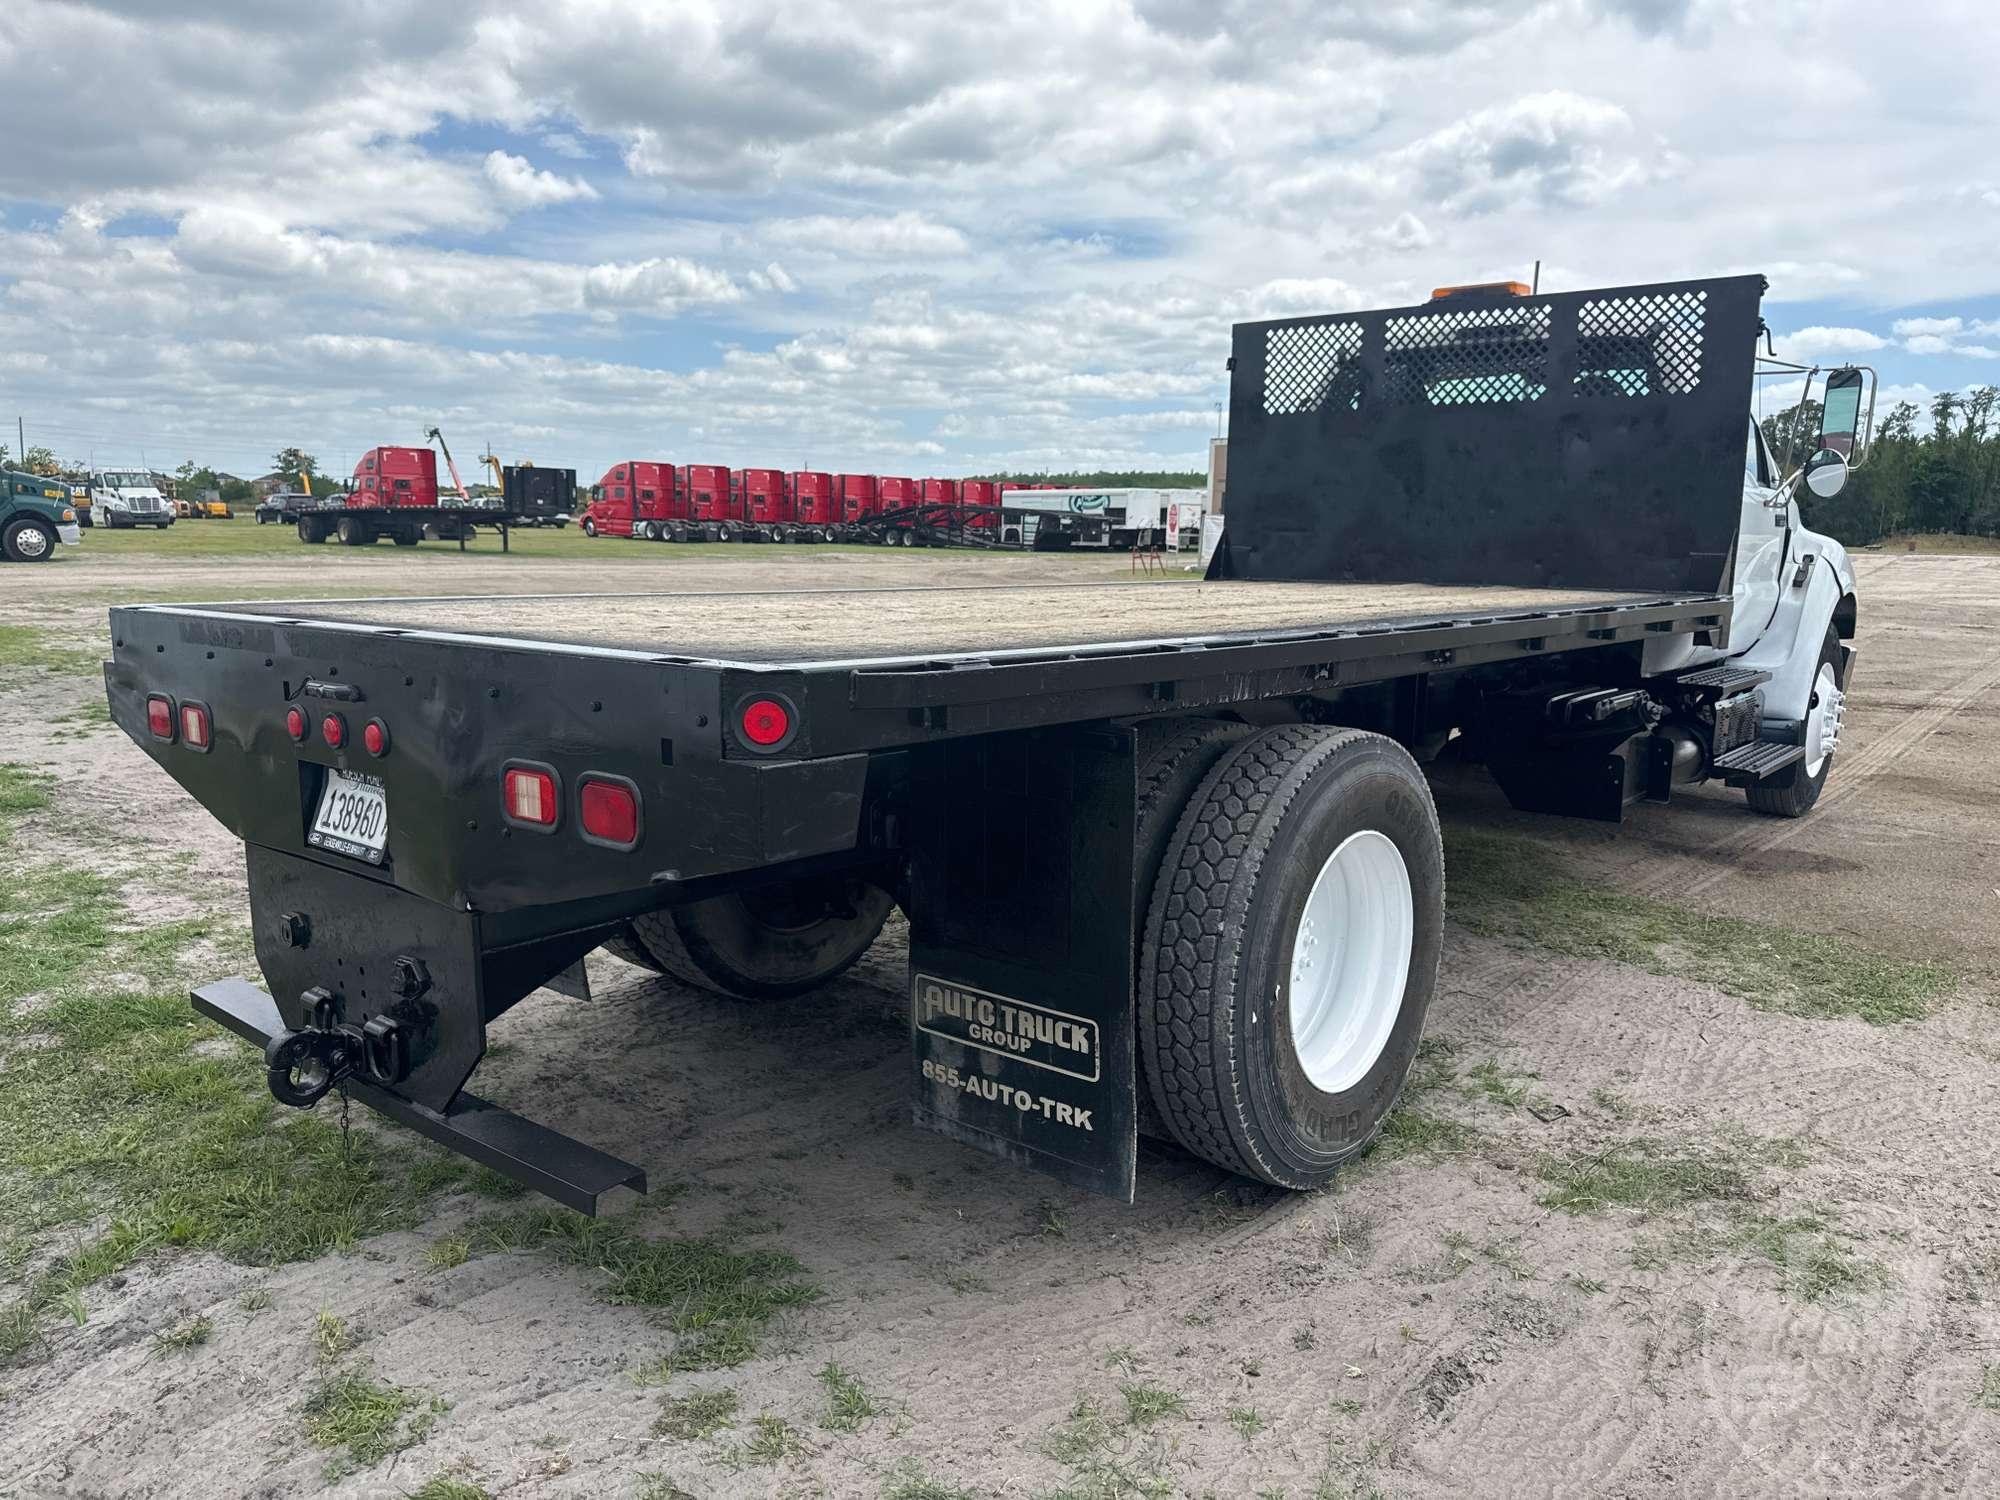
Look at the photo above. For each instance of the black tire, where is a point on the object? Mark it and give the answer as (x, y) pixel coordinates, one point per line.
(354, 532)
(309, 531)
(1214, 986)
(589, 527)
(405, 538)
(1792, 793)
(29, 541)
(1173, 755)
(764, 944)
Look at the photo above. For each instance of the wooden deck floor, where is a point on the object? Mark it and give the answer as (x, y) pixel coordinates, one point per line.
(817, 626)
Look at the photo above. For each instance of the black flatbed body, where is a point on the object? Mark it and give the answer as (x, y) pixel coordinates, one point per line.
(878, 668)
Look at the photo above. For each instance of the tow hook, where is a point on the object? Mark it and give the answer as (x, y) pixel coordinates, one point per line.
(303, 1066)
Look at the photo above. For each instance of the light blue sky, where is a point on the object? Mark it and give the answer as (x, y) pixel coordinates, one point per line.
(922, 238)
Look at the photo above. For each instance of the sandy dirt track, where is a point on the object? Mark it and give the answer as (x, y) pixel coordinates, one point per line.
(1425, 1328)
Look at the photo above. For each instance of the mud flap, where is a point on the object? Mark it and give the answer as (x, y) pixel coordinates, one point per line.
(1021, 943)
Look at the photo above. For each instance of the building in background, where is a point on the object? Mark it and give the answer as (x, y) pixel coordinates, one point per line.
(1218, 472)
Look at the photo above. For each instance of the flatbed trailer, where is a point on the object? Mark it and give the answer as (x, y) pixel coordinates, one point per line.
(1167, 852)
(405, 525)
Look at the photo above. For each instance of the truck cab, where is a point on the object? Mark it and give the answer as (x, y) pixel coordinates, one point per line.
(636, 498)
(35, 515)
(121, 498)
(389, 478)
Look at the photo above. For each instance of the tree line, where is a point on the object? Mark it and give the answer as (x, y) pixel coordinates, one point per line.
(1108, 479)
(1943, 480)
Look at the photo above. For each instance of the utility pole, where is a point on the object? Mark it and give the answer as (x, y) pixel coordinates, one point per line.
(21, 436)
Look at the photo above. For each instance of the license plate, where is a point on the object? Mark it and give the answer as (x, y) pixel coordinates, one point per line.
(353, 817)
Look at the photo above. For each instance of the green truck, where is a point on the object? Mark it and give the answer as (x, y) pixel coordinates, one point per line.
(35, 514)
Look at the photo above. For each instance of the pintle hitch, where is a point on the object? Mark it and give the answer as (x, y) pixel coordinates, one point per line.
(303, 1066)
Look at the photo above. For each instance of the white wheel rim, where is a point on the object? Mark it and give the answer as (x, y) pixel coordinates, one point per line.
(1823, 719)
(33, 542)
(1351, 960)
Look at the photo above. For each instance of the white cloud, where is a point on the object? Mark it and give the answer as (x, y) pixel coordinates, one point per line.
(890, 236)
(1948, 336)
(1810, 344)
(1018, 229)
(522, 185)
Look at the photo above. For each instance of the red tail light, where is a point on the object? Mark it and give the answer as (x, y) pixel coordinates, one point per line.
(375, 736)
(295, 724)
(194, 726)
(160, 716)
(766, 722)
(528, 797)
(333, 729)
(608, 808)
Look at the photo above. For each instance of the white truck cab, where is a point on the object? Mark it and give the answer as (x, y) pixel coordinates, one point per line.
(127, 497)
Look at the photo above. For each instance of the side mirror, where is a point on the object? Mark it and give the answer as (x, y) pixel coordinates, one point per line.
(1826, 473)
(1840, 415)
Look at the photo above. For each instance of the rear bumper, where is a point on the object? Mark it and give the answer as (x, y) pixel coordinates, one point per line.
(553, 1164)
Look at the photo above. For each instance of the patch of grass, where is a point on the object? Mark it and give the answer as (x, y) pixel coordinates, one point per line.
(1503, 1087)
(1051, 1219)
(654, 1486)
(27, 648)
(183, 1336)
(1644, 1177)
(1515, 889)
(849, 1407)
(1147, 1403)
(1987, 1397)
(451, 1251)
(908, 1481)
(699, 1415)
(256, 1300)
(122, 1121)
(23, 789)
(1716, 1198)
(449, 1487)
(1106, 1461)
(488, 1183)
(716, 1298)
(330, 1338)
(1246, 1421)
(365, 1420)
(772, 1441)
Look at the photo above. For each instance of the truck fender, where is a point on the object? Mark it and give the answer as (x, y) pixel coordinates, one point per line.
(1818, 589)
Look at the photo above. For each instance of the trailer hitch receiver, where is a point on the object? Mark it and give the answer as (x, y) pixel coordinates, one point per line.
(303, 1066)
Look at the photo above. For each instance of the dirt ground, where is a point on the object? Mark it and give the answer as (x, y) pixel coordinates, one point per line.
(1447, 1320)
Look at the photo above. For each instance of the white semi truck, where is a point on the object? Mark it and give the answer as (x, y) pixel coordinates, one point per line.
(127, 497)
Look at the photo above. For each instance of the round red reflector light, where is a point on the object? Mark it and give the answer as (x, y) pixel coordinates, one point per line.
(333, 730)
(295, 724)
(375, 735)
(765, 721)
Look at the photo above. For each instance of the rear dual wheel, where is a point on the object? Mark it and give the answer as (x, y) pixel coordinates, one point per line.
(1291, 952)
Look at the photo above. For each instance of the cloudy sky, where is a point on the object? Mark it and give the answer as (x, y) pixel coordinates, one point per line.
(929, 237)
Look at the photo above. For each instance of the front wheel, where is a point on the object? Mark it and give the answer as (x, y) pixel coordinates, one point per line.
(1794, 790)
(590, 528)
(762, 944)
(28, 541)
(1291, 952)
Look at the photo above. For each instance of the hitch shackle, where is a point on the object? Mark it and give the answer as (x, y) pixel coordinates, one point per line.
(301, 1067)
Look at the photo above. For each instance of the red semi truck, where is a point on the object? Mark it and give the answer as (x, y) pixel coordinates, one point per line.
(858, 498)
(713, 504)
(815, 504)
(635, 498)
(892, 493)
(767, 501)
(983, 497)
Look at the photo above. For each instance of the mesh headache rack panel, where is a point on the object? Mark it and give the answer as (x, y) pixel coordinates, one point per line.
(1580, 439)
